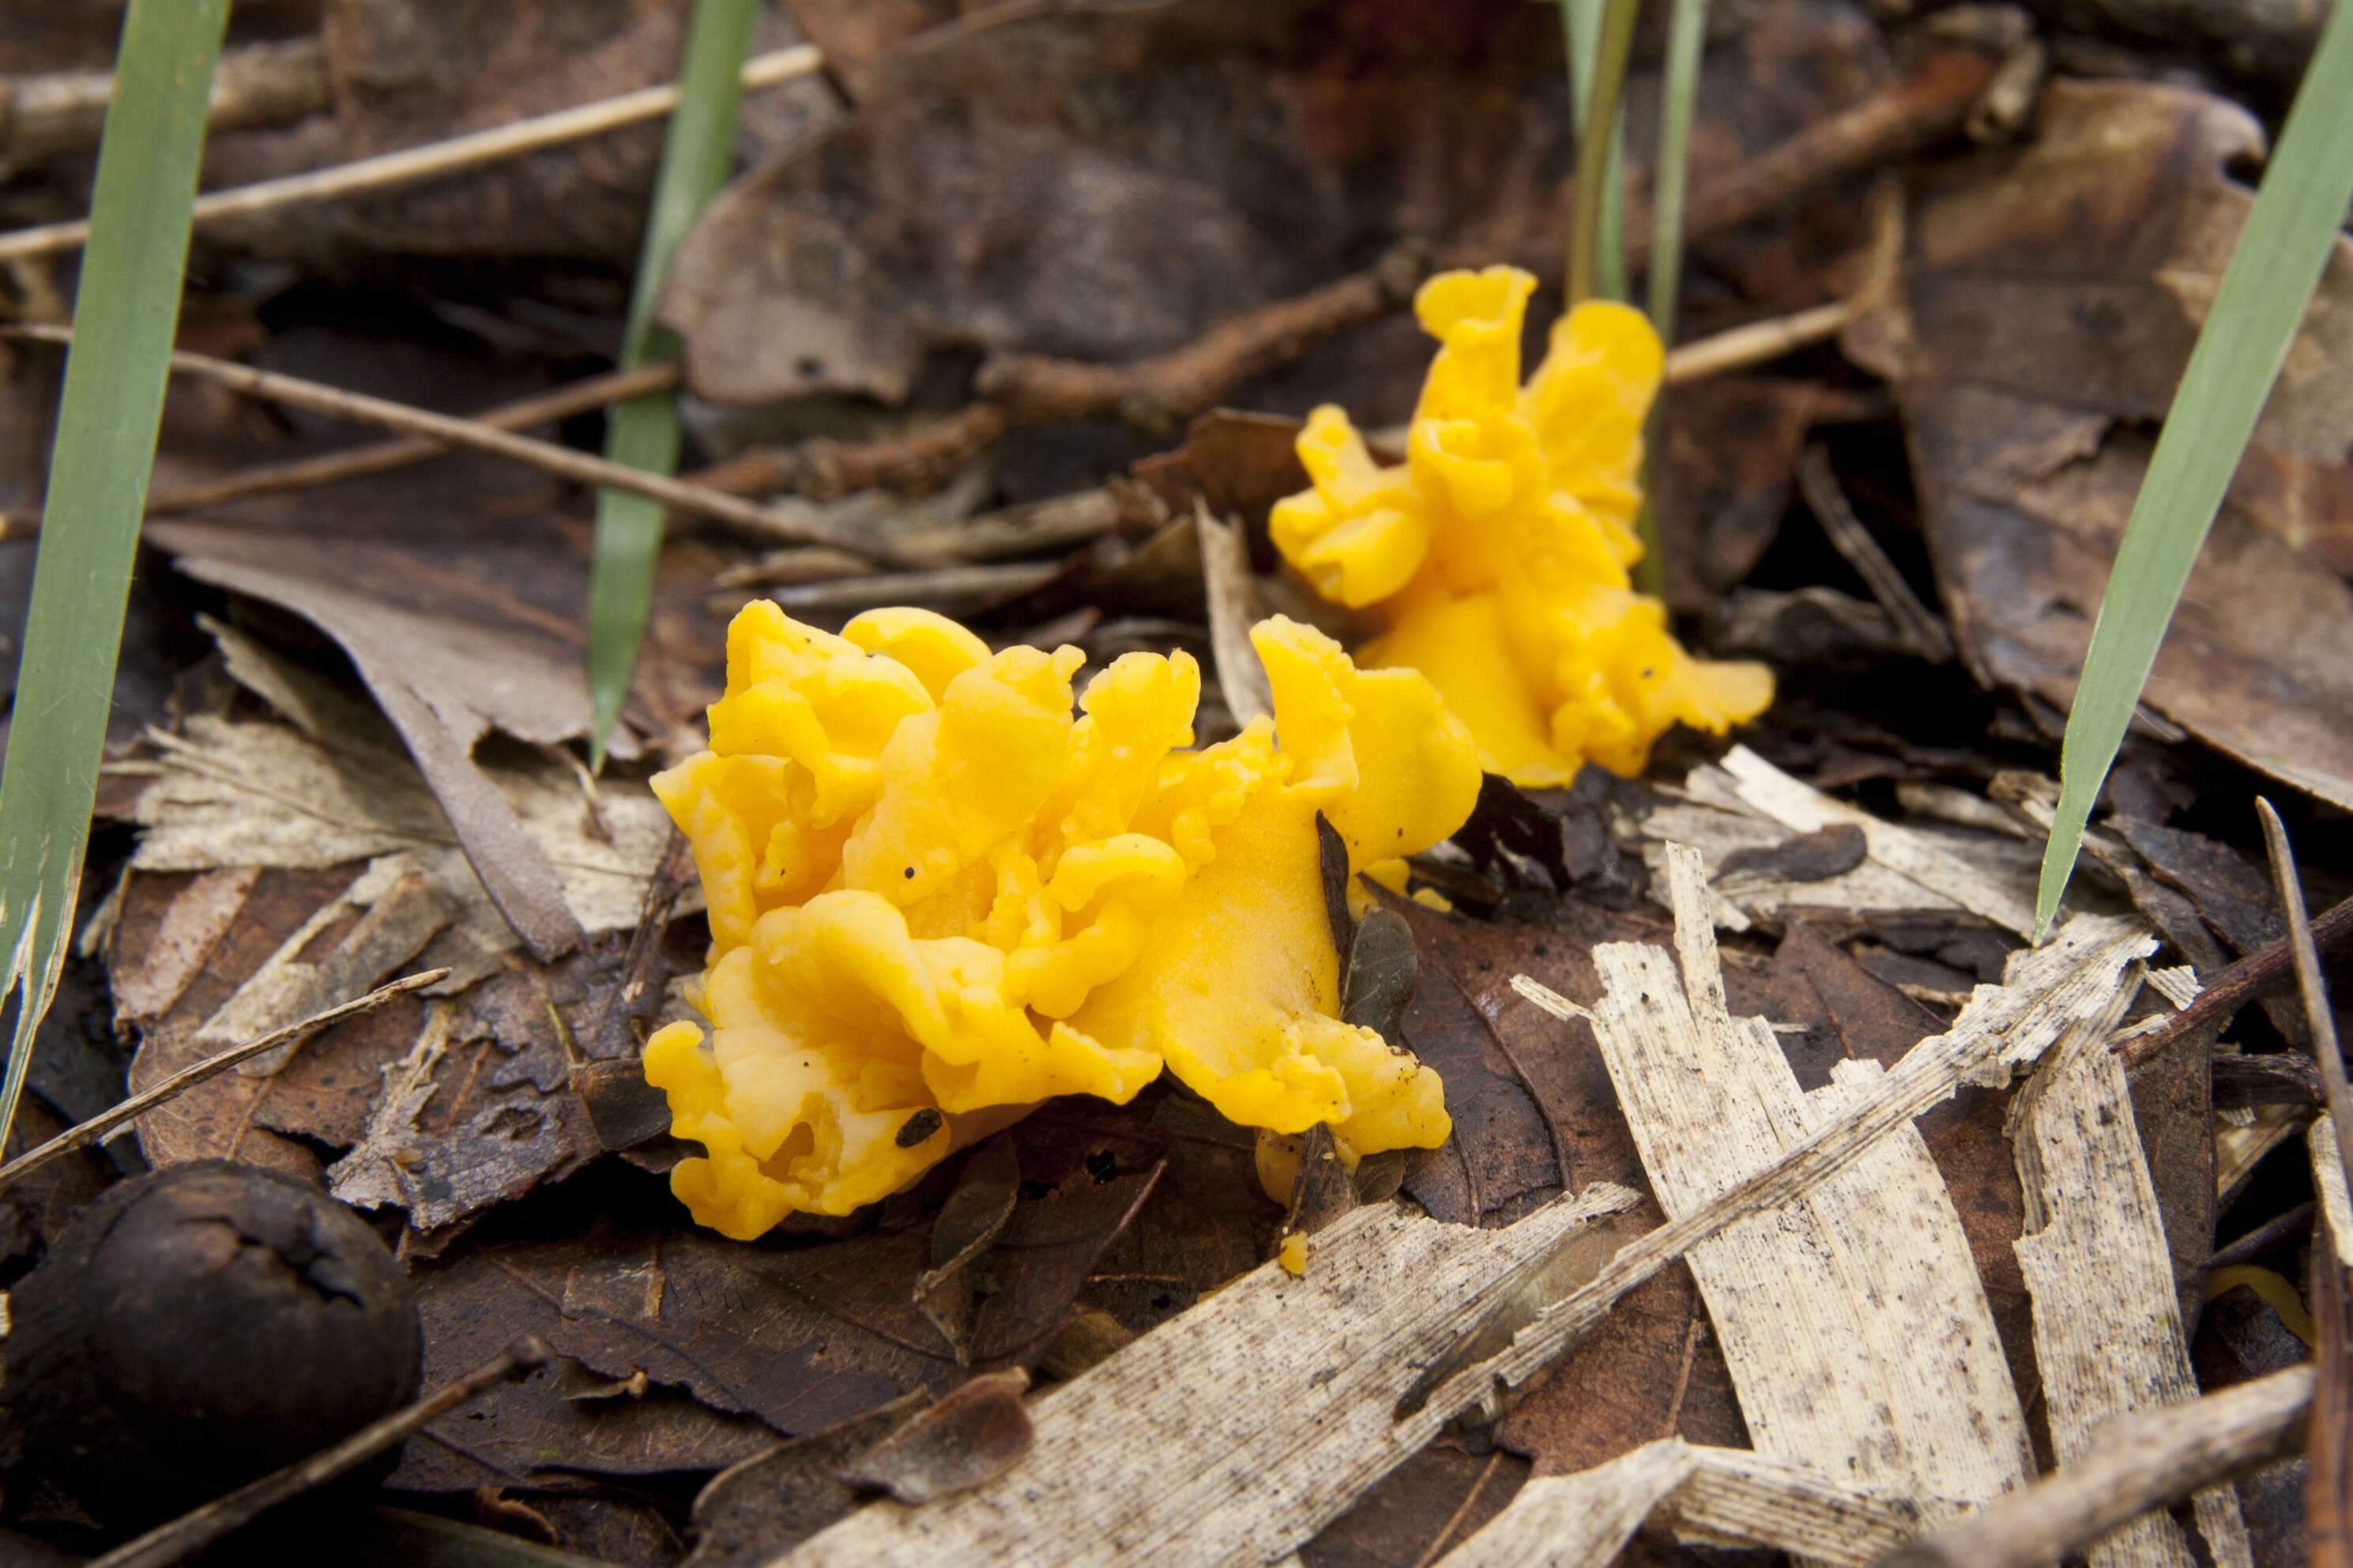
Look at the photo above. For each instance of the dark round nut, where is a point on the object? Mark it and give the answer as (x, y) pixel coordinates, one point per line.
(195, 1328)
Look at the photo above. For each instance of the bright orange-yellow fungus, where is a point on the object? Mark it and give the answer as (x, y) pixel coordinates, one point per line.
(1498, 551)
(937, 898)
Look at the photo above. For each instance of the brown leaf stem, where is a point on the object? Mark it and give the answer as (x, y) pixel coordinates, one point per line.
(2232, 988)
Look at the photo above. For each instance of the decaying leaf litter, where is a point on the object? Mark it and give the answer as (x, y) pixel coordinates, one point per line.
(1793, 1202)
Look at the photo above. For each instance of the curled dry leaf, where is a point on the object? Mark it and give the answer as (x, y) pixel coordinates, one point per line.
(442, 682)
(233, 794)
(754, 1511)
(2047, 301)
(977, 1430)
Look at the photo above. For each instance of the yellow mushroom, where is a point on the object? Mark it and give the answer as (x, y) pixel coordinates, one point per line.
(937, 898)
(1498, 551)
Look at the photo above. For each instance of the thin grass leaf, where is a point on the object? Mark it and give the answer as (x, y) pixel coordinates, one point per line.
(2298, 211)
(1687, 33)
(1605, 247)
(125, 312)
(697, 155)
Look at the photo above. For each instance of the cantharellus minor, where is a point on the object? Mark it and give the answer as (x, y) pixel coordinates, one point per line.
(937, 898)
(1497, 553)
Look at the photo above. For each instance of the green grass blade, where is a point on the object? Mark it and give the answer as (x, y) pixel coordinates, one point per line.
(697, 155)
(2274, 269)
(125, 312)
(1605, 250)
(1686, 34)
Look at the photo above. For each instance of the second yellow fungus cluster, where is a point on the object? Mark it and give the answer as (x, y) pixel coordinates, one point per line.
(937, 897)
(1498, 551)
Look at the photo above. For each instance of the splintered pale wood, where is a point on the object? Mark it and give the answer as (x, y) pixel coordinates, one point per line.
(2047, 992)
(2328, 1181)
(1719, 1497)
(2141, 1461)
(1235, 1432)
(1852, 1320)
(2107, 1322)
(1802, 808)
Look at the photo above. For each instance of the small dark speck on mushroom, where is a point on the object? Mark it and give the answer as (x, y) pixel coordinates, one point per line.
(918, 1127)
(911, 873)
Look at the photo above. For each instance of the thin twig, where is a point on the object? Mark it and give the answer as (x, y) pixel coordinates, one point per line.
(2324, 1048)
(1445, 1536)
(946, 587)
(376, 458)
(1740, 347)
(2265, 1238)
(199, 1528)
(106, 1121)
(434, 159)
(546, 456)
(2233, 987)
(2144, 1460)
(1922, 632)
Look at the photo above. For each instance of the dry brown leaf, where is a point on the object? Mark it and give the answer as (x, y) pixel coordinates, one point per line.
(233, 794)
(2048, 303)
(418, 71)
(797, 1339)
(1727, 451)
(1017, 187)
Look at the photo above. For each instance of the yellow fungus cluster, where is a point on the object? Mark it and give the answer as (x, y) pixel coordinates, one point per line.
(1498, 551)
(937, 898)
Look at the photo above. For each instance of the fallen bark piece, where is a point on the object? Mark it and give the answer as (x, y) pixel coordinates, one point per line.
(1237, 1431)
(1852, 1318)
(1719, 1497)
(2138, 1462)
(2328, 1181)
(2107, 1324)
(2050, 991)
